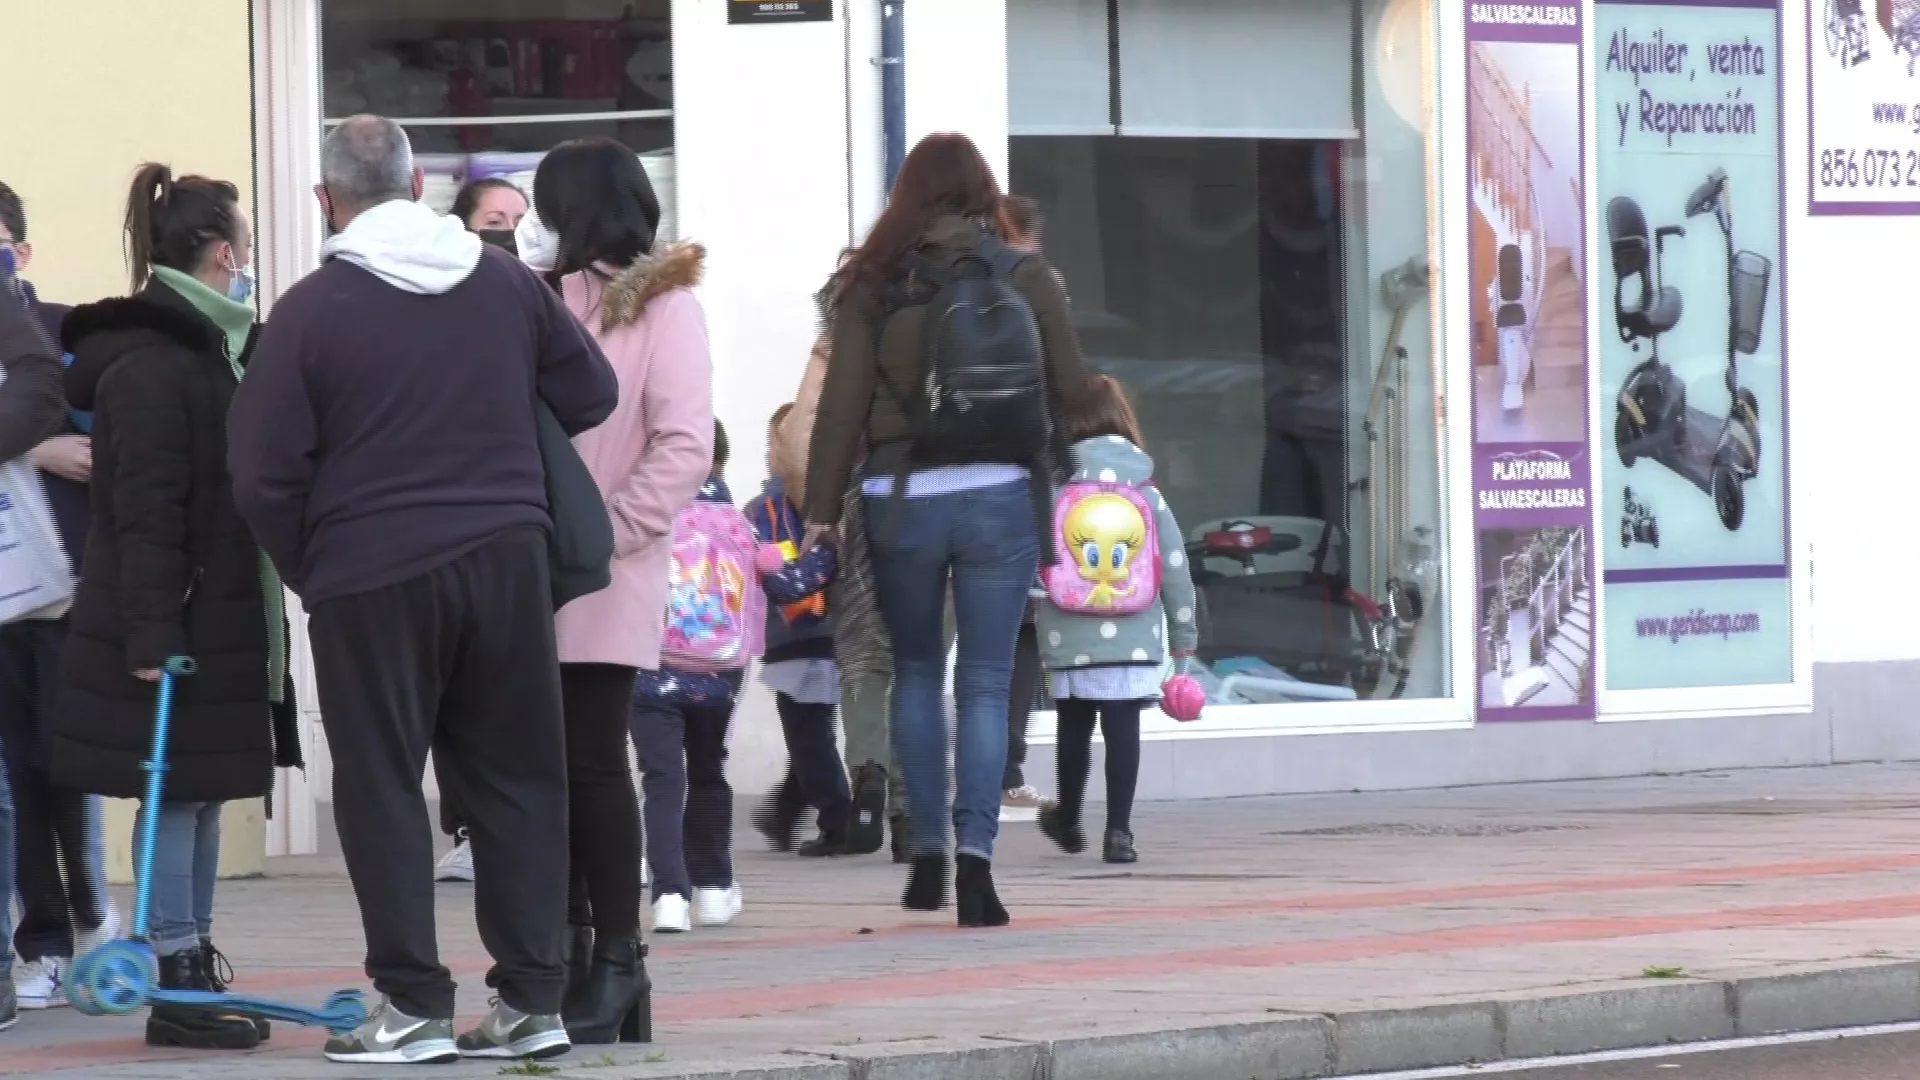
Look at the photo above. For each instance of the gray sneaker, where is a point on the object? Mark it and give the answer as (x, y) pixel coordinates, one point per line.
(391, 1037)
(9, 1003)
(509, 1033)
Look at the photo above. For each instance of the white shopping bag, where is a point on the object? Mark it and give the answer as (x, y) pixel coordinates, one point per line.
(35, 580)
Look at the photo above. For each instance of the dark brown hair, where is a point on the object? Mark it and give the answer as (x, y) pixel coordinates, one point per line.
(468, 200)
(721, 451)
(944, 175)
(172, 222)
(1103, 410)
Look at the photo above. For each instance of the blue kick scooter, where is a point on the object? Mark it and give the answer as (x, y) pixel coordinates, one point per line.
(121, 976)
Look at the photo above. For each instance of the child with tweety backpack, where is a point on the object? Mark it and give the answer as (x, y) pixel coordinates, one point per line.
(1118, 600)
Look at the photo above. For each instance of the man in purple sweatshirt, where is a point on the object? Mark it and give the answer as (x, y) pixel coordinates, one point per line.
(384, 450)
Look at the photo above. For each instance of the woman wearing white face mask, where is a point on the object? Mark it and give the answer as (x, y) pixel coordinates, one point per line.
(173, 572)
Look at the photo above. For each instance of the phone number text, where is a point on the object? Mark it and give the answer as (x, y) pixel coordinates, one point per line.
(1856, 169)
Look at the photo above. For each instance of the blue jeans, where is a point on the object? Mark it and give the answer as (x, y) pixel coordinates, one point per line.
(186, 863)
(6, 871)
(986, 541)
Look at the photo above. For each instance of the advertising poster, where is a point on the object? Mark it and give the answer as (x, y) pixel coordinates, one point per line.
(1863, 106)
(774, 11)
(1693, 521)
(1531, 468)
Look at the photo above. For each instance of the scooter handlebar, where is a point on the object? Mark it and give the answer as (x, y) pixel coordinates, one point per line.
(1707, 194)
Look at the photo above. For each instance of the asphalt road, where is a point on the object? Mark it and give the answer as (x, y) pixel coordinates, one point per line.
(1875, 1057)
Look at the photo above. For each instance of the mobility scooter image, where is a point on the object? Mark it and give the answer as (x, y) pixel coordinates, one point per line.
(1637, 524)
(1653, 420)
(1510, 318)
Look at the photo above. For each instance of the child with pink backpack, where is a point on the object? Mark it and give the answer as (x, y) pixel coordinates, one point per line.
(1118, 600)
(715, 625)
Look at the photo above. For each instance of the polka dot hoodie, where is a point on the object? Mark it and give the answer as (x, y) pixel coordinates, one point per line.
(1070, 641)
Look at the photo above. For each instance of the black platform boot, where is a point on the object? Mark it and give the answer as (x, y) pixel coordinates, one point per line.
(190, 1028)
(926, 884)
(615, 1003)
(219, 974)
(973, 894)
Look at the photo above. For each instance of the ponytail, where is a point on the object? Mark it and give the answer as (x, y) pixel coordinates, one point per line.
(173, 222)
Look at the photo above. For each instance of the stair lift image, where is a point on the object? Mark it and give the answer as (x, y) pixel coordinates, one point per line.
(1510, 318)
(1718, 455)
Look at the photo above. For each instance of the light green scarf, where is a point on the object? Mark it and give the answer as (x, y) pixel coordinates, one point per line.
(235, 322)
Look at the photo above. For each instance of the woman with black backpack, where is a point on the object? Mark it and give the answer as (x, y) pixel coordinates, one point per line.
(951, 352)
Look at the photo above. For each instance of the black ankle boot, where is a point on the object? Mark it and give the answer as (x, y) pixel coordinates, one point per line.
(974, 896)
(902, 837)
(219, 973)
(1119, 847)
(615, 1003)
(926, 884)
(579, 954)
(1063, 829)
(192, 1028)
(867, 831)
(778, 818)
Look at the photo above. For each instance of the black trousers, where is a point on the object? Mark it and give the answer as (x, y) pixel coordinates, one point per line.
(453, 816)
(813, 762)
(603, 815)
(50, 823)
(460, 659)
(689, 808)
(1020, 699)
(1120, 726)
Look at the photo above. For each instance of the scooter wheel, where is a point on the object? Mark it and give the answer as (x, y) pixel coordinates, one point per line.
(113, 980)
(1622, 435)
(1729, 498)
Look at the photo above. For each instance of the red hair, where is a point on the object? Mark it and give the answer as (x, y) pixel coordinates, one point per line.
(944, 175)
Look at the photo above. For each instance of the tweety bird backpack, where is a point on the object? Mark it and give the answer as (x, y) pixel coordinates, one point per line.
(716, 616)
(1109, 544)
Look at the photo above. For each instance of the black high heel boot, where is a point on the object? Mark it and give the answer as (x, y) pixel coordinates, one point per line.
(902, 839)
(974, 895)
(579, 952)
(615, 1004)
(926, 884)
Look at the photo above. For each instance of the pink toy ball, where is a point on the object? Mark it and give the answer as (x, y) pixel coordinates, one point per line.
(1182, 698)
(769, 559)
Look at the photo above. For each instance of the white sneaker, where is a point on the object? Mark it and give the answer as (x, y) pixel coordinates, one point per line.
(717, 907)
(672, 915)
(1021, 804)
(85, 941)
(42, 984)
(456, 865)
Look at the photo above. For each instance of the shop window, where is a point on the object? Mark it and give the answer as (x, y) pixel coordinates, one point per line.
(1237, 194)
(486, 87)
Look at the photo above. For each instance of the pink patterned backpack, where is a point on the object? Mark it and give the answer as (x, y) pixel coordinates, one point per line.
(1109, 543)
(716, 616)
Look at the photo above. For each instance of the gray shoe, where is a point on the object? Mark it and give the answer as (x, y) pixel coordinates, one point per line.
(391, 1037)
(9, 1003)
(509, 1033)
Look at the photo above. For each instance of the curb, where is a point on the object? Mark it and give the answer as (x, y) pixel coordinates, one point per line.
(1305, 1046)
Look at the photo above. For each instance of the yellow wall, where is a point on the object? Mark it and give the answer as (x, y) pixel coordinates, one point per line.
(92, 88)
(89, 90)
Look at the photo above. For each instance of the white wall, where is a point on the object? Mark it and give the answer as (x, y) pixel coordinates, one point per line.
(1852, 381)
(763, 184)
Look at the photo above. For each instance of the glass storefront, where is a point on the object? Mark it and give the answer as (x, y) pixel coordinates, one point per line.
(1239, 195)
(486, 87)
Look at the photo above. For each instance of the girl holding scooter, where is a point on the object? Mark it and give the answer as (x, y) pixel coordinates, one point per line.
(172, 575)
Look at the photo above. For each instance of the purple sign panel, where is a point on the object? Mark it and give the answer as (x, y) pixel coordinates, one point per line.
(1532, 473)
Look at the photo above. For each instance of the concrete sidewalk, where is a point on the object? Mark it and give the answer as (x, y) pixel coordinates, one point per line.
(1261, 938)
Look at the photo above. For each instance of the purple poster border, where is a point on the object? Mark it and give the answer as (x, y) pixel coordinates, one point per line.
(1816, 208)
(1782, 571)
(1568, 28)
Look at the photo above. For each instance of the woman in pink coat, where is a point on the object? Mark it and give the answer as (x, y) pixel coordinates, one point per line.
(649, 459)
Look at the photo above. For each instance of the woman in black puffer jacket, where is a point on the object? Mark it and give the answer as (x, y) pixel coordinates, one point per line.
(172, 571)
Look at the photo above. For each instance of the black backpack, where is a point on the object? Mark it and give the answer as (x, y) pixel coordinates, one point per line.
(983, 397)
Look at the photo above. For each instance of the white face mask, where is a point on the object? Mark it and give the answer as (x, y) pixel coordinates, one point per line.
(538, 246)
